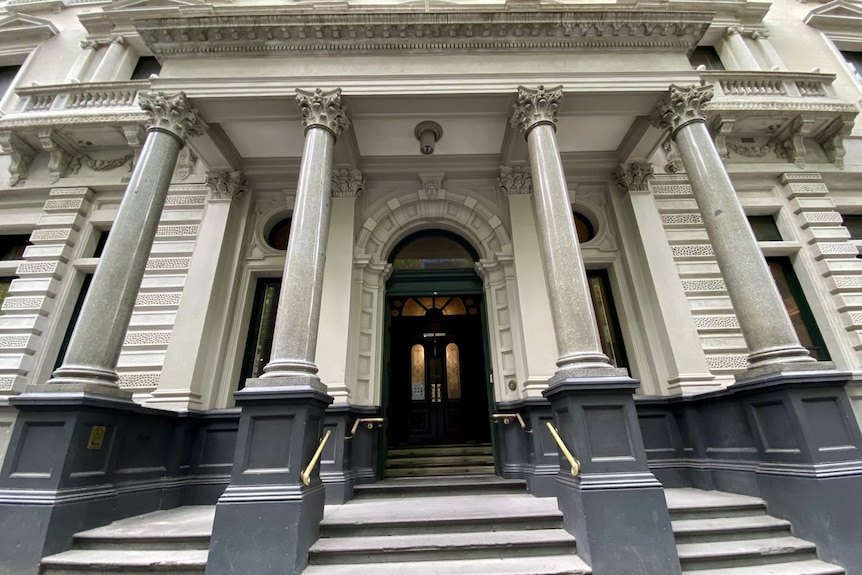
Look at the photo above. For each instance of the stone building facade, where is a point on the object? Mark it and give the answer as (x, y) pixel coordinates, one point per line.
(651, 212)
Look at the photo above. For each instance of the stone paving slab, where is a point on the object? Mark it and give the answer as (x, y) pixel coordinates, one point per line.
(187, 521)
(556, 565)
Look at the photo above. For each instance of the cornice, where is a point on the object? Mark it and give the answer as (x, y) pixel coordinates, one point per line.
(364, 32)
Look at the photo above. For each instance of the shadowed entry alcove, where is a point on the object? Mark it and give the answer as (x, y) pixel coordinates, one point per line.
(438, 386)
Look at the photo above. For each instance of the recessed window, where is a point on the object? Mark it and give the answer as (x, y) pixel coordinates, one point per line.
(100, 244)
(432, 251)
(5, 284)
(797, 307)
(854, 63)
(76, 312)
(610, 333)
(146, 67)
(764, 228)
(584, 228)
(12, 246)
(261, 329)
(707, 57)
(279, 235)
(853, 223)
(7, 77)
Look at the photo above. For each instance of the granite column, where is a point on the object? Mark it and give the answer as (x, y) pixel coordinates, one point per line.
(94, 349)
(762, 316)
(283, 411)
(591, 401)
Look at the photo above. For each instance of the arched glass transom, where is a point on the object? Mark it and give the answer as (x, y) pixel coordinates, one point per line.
(432, 251)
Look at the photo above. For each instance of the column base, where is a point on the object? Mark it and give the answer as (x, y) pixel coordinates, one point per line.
(615, 507)
(78, 389)
(175, 399)
(280, 427)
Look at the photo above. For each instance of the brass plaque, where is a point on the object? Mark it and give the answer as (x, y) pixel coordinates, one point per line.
(97, 437)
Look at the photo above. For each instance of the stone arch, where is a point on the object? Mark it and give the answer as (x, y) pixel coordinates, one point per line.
(465, 216)
(380, 233)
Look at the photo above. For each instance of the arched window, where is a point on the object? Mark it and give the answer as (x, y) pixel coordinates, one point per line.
(432, 251)
(584, 228)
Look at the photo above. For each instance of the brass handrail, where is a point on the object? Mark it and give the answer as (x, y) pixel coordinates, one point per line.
(368, 421)
(576, 465)
(507, 417)
(306, 474)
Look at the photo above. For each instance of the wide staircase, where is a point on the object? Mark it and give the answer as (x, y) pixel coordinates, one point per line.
(454, 525)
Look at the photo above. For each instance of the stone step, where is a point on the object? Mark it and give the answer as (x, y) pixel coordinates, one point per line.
(487, 484)
(435, 450)
(441, 546)
(687, 503)
(439, 471)
(440, 514)
(729, 528)
(125, 562)
(812, 567)
(549, 565)
(744, 553)
(440, 461)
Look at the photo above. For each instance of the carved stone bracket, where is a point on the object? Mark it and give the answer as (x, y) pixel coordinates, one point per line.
(515, 180)
(634, 177)
(64, 157)
(134, 135)
(682, 106)
(323, 110)
(172, 113)
(347, 183)
(832, 141)
(186, 163)
(724, 129)
(674, 162)
(535, 107)
(794, 146)
(226, 185)
(21, 154)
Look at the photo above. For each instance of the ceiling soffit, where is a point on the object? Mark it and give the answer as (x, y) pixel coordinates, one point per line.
(425, 32)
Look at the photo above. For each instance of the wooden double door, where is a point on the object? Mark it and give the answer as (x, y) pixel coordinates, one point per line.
(438, 384)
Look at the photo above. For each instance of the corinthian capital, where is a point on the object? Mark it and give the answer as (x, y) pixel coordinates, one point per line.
(536, 107)
(173, 114)
(515, 180)
(634, 177)
(321, 109)
(226, 185)
(682, 106)
(736, 29)
(347, 183)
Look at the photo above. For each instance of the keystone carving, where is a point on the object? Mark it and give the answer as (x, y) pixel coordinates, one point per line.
(682, 106)
(226, 185)
(515, 180)
(635, 176)
(321, 109)
(536, 107)
(172, 113)
(347, 183)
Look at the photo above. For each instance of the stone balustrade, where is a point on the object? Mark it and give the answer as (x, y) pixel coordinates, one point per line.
(780, 84)
(58, 98)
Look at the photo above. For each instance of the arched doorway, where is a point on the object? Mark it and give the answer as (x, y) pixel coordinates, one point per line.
(438, 384)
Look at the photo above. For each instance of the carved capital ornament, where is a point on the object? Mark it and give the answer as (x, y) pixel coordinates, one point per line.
(683, 106)
(347, 183)
(536, 107)
(635, 176)
(321, 109)
(172, 114)
(226, 185)
(515, 181)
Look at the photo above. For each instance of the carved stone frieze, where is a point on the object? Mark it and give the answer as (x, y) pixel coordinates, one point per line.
(682, 106)
(457, 31)
(347, 183)
(323, 110)
(172, 113)
(515, 180)
(535, 107)
(104, 165)
(635, 176)
(64, 157)
(20, 153)
(225, 185)
(751, 150)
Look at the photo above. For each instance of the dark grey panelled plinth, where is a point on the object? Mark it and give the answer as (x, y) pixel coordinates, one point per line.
(615, 507)
(267, 519)
(790, 438)
(56, 482)
(365, 447)
(348, 459)
(530, 455)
